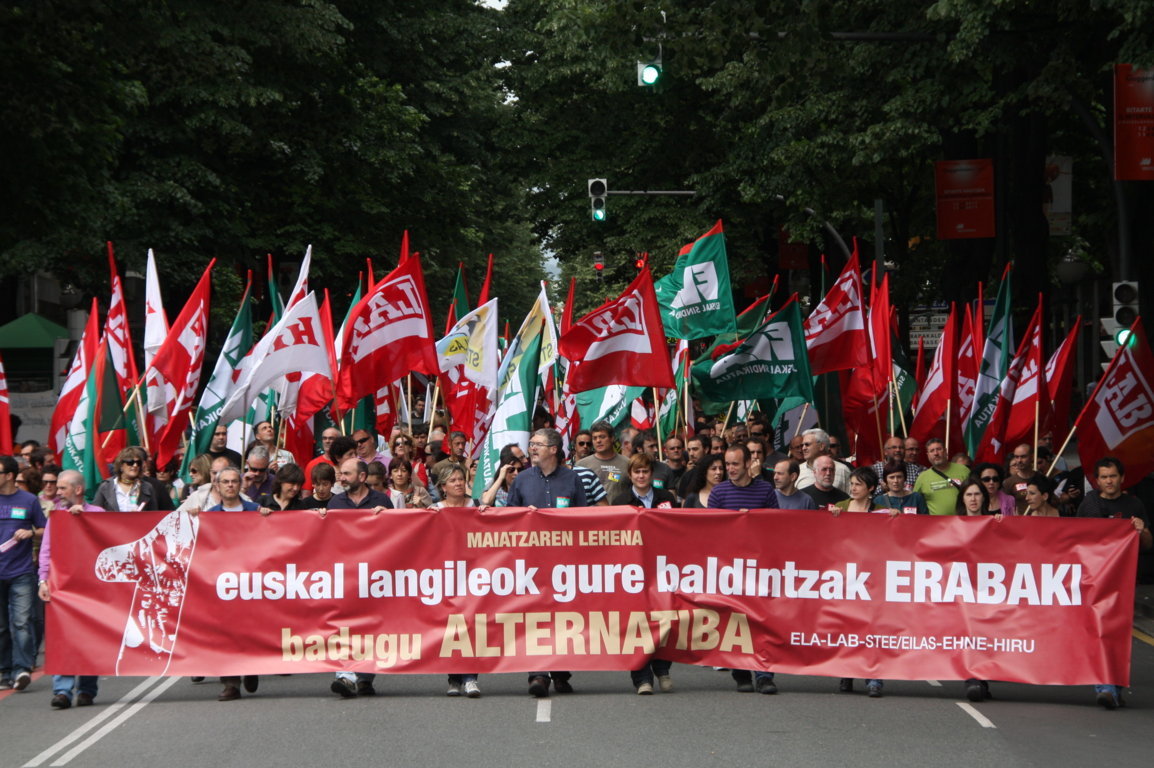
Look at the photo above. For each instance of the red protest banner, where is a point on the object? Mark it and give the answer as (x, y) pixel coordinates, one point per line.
(1032, 600)
(965, 195)
(1133, 123)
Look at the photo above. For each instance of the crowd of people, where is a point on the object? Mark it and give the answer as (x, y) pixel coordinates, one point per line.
(716, 467)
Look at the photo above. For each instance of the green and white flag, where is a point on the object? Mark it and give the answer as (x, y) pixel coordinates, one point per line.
(770, 363)
(996, 356)
(531, 351)
(609, 404)
(236, 345)
(99, 411)
(696, 298)
(667, 417)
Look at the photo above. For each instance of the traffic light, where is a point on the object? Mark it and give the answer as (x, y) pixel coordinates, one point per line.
(599, 265)
(649, 72)
(1116, 327)
(598, 190)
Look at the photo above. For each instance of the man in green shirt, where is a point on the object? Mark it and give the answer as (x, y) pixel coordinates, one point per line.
(939, 483)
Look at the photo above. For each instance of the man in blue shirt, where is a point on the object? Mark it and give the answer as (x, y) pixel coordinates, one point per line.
(548, 483)
(21, 520)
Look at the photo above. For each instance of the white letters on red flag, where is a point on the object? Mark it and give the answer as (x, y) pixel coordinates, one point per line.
(1014, 415)
(179, 362)
(73, 387)
(866, 391)
(835, 332)
(1118, 419)
(1060, 383)
(935, 397)
(622, 342)
(5, 413)
(968, 363)
(116, 331)
(389, 333)
(294, 345)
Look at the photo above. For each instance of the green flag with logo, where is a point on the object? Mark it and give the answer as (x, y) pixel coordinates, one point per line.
(770, 363)
(996, 356)
(696, 298)
(609, 404)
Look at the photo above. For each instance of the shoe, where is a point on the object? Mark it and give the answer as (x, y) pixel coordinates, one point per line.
(454, 689)
(1107, 700)
(6, 684)
(846, 685)
(562, 686)
(251, 683)
(975, 692)
(472, 690)
(61, 701)
(645, 689)
(539, 687)
(84, 699)
(665, 683)
(230, 693)
(22, 681)
(196, 679)
(346, 689)
(745, 686)
(365, 688)
(874, 691)
(766, 685)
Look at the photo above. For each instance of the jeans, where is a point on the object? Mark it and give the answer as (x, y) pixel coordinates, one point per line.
(659, 667)
(461, 679)
(83, 684)
(16, 621)
(744, 675)
(1114, 689)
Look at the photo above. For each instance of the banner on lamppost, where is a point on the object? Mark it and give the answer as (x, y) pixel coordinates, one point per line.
(1133, 123)
(965, 194)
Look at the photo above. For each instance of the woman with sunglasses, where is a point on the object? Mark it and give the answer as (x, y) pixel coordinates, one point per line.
(403, 449)
(497, 494)
(125, 491)
(199, 473)
(991, 477)
(405, 494)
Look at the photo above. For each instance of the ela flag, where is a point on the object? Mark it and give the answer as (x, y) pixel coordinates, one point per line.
(835, 331)
(224, 374)
(611, 404)
(622, 342)
(1118, 419)
(1022, 374)
(696, 298)
(771, 363)
(996, 356)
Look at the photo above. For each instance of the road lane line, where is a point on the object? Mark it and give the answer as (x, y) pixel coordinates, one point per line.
(983, 721)
(106, 713)
(934, 683)
(544, 710)
(1140, 635)
(124, 716)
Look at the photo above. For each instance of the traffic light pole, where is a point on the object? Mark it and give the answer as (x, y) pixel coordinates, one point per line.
(681, 192)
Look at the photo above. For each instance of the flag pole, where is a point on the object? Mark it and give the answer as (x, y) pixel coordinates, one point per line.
(800, 419)
(728, 413)
(432, 411)
(901, 411)
(1037, 403)
(948, 403)
(409, 384)
(657, 425)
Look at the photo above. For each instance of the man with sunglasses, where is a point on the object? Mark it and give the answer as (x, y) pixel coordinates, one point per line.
(367, 448)
(257, 477)
(582, 446)
(21, 520)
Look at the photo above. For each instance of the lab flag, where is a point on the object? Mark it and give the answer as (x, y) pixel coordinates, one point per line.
(622, 342)
(224, 374)
(73, 387)
(388, 334)
(5, 413)
(155, 332)
(835, 330)
(770, 363)
(293, 345)
(696, 298)
(1118, 419)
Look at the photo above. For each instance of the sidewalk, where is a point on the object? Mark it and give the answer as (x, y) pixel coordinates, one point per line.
(1144, 608)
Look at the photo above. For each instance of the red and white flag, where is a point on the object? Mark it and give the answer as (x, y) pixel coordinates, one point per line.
(866, 391)
(5, 413)
(73, 387)
(622, 342)
(835, 333)
(179, 360)
(155, 332)
(1118, 419)
(1022, 401)
(969, 360)
(389, 334)
(117, 332)
(1060, 383)
(935, 398)
(294, 345)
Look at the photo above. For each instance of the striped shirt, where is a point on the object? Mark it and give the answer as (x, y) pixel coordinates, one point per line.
(757, 495)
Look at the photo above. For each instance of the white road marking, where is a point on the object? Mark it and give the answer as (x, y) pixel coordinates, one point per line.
(124, 716)
(983, 721)
(544, 710)
(934, 683)
(106, 713)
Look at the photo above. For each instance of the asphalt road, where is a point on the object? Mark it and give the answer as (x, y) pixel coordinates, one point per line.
(295, 721)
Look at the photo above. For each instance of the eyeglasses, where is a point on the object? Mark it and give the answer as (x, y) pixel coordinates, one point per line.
(533, 444)
(258, 470)
(131, 462)
(989, 478)
(48, 480)
(402, 442)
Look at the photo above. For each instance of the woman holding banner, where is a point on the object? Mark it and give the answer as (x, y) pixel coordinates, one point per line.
(454, 493)
(709, 472)
(405, 494)
(285, 493)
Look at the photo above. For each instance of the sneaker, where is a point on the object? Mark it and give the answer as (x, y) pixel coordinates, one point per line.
(745, 686)
(874, 690)
(846, 685)
(539, 687)
(562, 686)
(1107, 700)
(5, 684)
(645, 689)
(766, 685)
(454, 689)
(22, 681)
(84, 699)
(346, 689)
(472, 690)
(61, 701)
(665, 683)
(365, 688)
(975, 692)
(251, 683)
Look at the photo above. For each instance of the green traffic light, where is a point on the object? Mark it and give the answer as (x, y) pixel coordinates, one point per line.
(650, 74)
(598, 214)
(1124, 337)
